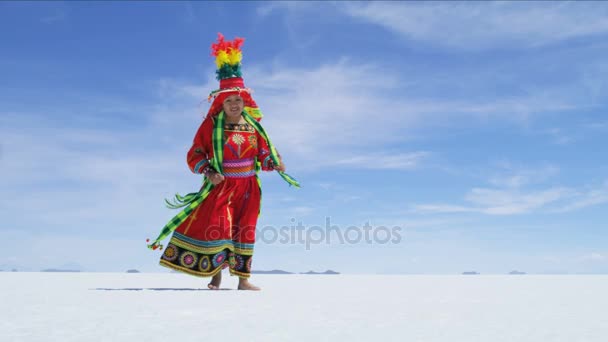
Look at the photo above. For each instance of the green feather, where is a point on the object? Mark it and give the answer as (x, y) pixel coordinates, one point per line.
(227, 71)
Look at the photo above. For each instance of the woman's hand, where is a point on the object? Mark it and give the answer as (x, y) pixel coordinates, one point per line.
(215, 178)
(280, 167)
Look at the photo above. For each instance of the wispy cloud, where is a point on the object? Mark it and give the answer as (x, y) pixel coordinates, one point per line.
(397, 161)
(597, 125)
(479, 25)
(267, 8)
(499, 202)
(513, 201)
(515, 176)
(559, 136)
(586, 198)
(594, 257)
(518, 191)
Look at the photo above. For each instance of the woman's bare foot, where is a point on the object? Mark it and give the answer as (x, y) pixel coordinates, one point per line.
(244, 284)
(215, 281)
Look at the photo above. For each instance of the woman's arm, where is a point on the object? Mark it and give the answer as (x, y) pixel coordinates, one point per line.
(264, 156)
(199, 154)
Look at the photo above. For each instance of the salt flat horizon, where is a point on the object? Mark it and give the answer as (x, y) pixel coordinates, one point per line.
(104, 306)
(58, 270)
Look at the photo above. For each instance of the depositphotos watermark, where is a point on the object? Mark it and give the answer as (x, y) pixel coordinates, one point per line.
(330, 234)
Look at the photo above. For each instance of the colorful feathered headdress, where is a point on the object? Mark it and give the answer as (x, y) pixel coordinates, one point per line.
(228, 56)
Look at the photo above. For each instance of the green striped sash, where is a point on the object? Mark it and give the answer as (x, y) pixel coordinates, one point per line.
(273, 152)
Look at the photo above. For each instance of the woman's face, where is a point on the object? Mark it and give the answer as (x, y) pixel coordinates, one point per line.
(233, 106)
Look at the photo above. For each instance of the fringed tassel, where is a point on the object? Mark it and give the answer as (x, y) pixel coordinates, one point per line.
(155, 245)
(190, 202)
(181, 201)
(289, 179)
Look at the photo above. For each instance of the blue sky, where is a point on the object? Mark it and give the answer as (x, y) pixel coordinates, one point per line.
(477, 129)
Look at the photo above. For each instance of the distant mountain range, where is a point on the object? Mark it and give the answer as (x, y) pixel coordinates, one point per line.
(517, 272)
(474, 273)
(270, 272)
(286, 272)
(326, 272)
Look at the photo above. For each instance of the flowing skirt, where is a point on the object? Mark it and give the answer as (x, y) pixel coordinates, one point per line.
(219, 233)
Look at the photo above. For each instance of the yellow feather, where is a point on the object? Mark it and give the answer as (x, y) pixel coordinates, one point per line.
(221, 59)
(235, 56)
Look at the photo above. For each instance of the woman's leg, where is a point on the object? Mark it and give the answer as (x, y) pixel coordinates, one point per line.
(216, 280)
(243, 233)
(244, 284)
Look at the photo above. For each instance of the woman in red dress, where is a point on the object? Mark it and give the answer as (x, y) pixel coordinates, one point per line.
(217, 228)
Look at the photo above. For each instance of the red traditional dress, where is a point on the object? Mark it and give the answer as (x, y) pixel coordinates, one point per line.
(220, 232)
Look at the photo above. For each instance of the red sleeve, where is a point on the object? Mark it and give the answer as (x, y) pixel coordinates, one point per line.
(264, 154)
(201, 151)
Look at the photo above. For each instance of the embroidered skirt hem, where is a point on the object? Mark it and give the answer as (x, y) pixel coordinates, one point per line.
(207, 262)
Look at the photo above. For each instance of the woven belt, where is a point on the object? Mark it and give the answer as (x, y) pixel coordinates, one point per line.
(239, 168)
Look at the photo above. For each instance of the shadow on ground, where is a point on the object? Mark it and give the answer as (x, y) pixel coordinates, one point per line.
(156, 289)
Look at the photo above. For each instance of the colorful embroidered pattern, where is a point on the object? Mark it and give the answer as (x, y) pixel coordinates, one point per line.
(204, 264)
(170, 253)
(219, 258)
(235, 163)
(238, 139)
(188, 259)
(253, 141)
(238, 264)
(231, 259)
(200, 166)
(208, 264)
(239, 128)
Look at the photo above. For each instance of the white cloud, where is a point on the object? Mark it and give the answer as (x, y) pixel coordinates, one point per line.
(515, 176)
(397, 161)
(469, 25)
(442, 208)
(518, 190)
(513, 201)
(301, 210)
(594, 257)
(499, 202)
(559, 136)
(268, 7)
(587, 198)
(505, 202)
(598, 125)
(479, 25)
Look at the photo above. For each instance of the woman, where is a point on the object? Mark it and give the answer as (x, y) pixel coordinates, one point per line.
(217, 227)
